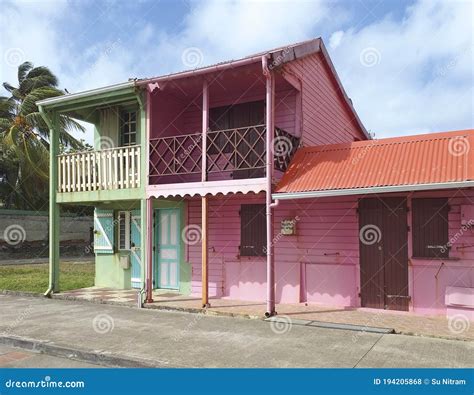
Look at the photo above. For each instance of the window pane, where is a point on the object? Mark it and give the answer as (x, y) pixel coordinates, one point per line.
(430, 228)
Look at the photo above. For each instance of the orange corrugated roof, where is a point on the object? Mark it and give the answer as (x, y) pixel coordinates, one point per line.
(409, 160)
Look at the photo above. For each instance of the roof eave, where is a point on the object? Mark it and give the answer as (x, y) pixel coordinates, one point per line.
(371, 190)
(112, 90)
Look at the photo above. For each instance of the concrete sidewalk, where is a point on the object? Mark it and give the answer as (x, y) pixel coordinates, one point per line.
(172, 339)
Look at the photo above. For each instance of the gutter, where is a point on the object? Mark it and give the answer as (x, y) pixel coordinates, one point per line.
(373, 190)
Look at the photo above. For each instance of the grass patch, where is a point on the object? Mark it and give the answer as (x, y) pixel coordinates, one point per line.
(35, 278)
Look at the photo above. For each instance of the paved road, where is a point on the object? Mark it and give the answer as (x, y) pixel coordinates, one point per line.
(170, 339)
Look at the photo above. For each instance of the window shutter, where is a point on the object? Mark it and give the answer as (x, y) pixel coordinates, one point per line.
(253, 230)
(104, 231)
(430, 228)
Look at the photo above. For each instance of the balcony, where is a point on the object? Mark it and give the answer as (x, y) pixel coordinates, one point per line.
(108, 169)
(231, 154)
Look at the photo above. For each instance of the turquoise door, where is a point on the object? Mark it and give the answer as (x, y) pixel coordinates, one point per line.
(135, 243)
(167, 248)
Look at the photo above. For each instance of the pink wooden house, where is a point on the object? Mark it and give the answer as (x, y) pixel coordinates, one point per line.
(282, 99)
(256, 180)
(221, 139)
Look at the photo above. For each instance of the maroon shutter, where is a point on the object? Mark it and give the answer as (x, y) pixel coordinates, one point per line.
(430, 228)
(253, 230)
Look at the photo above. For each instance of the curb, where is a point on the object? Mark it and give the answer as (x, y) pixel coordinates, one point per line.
(94, 357)
(193, 310)
(331, 325)
(21, 293)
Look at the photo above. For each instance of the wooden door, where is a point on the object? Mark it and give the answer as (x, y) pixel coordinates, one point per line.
(168, 248)
(135, 248)
(383, 240)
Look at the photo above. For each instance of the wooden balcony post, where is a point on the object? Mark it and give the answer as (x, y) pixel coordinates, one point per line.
(204, 246)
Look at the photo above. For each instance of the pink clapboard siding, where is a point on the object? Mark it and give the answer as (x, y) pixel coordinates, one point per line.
(326, 116)
(320, 264)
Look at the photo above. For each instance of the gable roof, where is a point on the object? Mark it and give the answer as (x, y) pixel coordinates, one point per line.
(430, 161)
(277, 57)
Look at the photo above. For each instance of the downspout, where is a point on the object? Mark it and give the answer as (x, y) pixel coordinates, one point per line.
(52, 198)
(143, 205)
(269, 95)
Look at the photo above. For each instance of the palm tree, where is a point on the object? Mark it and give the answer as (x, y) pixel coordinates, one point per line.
(24, 136)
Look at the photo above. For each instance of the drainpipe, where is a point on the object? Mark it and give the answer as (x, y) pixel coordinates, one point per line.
(269, 95)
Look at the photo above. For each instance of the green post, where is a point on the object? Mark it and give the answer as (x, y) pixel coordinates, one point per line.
(143, 226)
(54, 208)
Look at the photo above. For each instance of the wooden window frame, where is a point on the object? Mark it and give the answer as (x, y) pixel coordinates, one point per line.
(245, 248)
(128, 236)
(421, 235)
(128, 128)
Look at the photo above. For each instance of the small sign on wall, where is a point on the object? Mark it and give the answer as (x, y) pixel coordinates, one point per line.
(288, 226)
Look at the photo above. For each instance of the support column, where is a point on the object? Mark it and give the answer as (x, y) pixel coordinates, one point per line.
(270, 100)
(149, 251)
(143, 247)
(54, 208)
(205, 263)
(204, 245)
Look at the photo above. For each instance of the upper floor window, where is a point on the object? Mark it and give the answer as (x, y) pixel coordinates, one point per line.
(430, 228)
(128, 128)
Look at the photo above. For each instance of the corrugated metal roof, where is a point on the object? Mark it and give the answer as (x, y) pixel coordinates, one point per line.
(410, 160)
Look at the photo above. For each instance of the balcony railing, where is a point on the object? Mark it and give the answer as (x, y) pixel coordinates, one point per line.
(239, 152)
(114, 168)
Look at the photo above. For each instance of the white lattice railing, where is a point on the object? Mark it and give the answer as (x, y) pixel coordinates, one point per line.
(114, 168)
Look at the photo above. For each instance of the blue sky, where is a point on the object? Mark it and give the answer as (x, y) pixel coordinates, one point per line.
(407, 65)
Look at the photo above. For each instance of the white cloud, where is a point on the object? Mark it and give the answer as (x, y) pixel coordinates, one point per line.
(422, 80)
(336, 39)
(420, 69)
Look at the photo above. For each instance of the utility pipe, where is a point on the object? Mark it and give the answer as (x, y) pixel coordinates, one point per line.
(204, 202)
(269, 95)
(149, 252)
